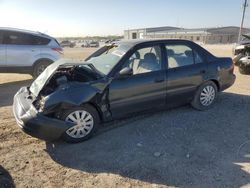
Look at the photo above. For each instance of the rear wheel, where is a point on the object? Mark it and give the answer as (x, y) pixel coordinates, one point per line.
(205, 96)
(86, 120)
(6, 182)
(40, 67)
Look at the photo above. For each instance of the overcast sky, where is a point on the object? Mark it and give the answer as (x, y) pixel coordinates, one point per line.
(61, 18)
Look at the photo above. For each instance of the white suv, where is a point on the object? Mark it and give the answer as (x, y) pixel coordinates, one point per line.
(29, 52)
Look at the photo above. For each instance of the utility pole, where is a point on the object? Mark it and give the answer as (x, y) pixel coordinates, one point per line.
(245, 5)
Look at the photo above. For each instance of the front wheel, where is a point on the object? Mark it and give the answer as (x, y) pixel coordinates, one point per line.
(205, 96)
(86, 120)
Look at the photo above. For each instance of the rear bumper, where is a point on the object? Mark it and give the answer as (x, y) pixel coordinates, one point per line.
(229, 83)
(34, 123)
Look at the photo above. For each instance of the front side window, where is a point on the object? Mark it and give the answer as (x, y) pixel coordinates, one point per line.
(145, 60)
(179, 56)
(17, 38)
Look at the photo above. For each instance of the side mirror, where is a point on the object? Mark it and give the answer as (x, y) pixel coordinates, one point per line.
(127, 71)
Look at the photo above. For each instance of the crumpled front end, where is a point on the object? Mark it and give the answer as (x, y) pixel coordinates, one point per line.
(33, 122)
(61, 67)
(69, 85)
(62, 86)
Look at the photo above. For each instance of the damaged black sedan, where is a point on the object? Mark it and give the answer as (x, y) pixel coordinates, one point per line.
(70, 99)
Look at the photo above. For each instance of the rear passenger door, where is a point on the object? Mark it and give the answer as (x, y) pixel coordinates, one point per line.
(186, 71)
(2, 50)
(20, 50)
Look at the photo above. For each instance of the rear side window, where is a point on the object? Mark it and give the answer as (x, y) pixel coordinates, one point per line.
(36, 40)
(18, 38)
(179, 56)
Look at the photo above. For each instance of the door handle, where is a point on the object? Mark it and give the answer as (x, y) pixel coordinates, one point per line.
(157, 80)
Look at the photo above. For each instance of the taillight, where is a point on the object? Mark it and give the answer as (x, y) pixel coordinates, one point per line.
(59, 50)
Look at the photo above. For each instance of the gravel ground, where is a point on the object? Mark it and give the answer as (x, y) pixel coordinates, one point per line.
(181, 147)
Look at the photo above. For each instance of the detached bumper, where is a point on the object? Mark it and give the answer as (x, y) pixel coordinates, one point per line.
(34, 123)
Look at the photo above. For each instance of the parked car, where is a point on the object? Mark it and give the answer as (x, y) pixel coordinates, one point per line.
(242, 54)
(94, 44)
(24, 51)
(112, 41)
(67, 43)
(70, 99)
(85, 44)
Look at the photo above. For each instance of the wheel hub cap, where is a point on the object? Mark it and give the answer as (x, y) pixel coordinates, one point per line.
(207, 95)
(84, 123)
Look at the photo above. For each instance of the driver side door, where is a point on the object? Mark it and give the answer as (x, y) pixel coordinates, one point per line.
(145, 88)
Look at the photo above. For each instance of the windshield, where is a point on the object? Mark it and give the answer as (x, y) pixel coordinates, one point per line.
(105, 62)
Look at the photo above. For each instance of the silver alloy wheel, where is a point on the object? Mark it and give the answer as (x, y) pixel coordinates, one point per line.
(207, 95)
(40, 69)
(84, 123)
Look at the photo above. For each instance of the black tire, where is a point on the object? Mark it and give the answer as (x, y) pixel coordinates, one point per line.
(89, 109)
(41, 65)
(197, 103)
(244, 69)
(6, 183)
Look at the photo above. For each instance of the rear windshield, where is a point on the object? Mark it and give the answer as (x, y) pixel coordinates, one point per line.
(57, 42)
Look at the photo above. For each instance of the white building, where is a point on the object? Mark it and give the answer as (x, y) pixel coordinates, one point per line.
(203, 35)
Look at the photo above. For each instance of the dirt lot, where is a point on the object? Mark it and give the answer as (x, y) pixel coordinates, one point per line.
(175, 148)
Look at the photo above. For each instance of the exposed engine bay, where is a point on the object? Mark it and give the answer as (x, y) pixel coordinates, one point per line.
(61, 78)
(68, 74)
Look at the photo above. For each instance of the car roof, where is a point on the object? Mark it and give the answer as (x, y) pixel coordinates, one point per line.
(25, 31)
(134, 42)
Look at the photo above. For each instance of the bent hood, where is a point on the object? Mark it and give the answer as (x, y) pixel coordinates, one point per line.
(45, 76)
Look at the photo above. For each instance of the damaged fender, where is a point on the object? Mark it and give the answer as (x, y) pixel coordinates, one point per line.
(70, 95)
